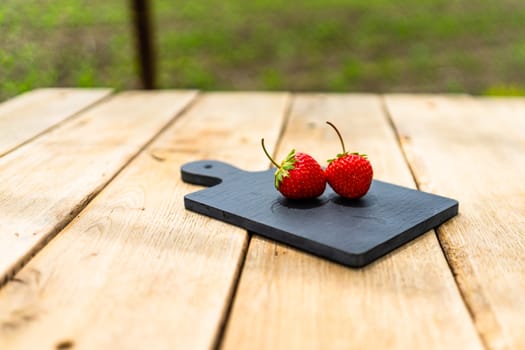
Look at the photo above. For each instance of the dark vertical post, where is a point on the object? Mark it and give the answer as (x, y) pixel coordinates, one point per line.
(144, 42)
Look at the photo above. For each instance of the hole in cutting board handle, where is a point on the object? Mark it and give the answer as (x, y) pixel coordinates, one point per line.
(207, 172)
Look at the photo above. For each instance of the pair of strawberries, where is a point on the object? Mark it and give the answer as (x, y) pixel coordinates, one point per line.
(300, 176)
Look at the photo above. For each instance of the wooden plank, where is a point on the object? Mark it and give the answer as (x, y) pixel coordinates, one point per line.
(28, 115)
(136, 270)
(45, 184)
(474, 150)
(290, 300)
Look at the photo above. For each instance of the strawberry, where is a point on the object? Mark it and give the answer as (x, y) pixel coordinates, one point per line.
(349, 174)
(299, 176)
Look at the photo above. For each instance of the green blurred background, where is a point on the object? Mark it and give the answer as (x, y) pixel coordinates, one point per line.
(468, 46)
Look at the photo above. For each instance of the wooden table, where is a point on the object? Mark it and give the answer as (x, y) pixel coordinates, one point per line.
(98, 252)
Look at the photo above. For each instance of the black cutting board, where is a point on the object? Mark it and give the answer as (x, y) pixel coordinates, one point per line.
(353, 233)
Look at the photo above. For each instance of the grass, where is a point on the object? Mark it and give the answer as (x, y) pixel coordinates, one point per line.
(330, 45)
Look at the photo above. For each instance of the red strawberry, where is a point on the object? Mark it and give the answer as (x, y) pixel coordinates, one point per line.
(349, 174)
(299, 176)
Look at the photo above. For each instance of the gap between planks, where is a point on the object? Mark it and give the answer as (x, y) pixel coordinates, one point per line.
(224, 323)
(416, 180)
(479, 161)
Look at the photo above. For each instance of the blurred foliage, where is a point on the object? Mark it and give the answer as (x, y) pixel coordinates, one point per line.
(330, 45)
(505, 90)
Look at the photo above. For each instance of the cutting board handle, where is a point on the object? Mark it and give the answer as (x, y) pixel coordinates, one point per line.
(207, 172)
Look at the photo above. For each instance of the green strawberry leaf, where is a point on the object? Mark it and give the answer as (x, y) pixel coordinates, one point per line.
(360, 154)
(339, 155)
(284, 170)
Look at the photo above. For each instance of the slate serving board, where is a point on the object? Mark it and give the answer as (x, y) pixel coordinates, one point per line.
(353, 233)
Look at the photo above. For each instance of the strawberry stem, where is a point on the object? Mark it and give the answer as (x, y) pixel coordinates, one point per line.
(268, 155)
(339, 135)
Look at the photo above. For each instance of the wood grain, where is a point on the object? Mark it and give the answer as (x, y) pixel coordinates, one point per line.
(287, 299)
(474, 150)
(136, 270)
(28, 115)
(45, 184)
